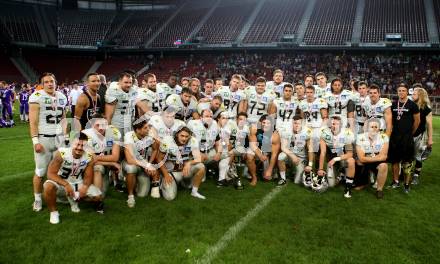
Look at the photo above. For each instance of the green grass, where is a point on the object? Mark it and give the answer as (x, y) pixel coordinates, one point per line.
(297, 226)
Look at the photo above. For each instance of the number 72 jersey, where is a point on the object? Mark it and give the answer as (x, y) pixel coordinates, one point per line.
(258, 104)
(51, 110)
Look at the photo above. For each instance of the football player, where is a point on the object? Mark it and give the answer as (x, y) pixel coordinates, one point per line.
(140, 151)
(277, 85)
(284, 109)
(296, 147)
(234, 99)
(70, 174)
(377, 107)
(265, 145)
(183, 164)
(46, 110)
(258, 100)
(89, 102)
(372, 151)
(340, 103)
(360, 98)
(184, 104)
(322, 87)
(337, 148)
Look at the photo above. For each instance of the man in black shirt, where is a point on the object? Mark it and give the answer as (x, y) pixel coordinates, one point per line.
(406, 119)
(89, 103)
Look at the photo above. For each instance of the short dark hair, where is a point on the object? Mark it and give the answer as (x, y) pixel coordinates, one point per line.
(148, 76)
(309, 76)
(242, 114)
(45, 74)
(185, 90)
(374, 87)
(288, 85)
(362, 83)
(404, 85)
(217, 97)
(311, 87)
(124, 74)
(297, 117)
(320, 74)
(209, 81)
(260, 79)
(138, 124)
(92, 74)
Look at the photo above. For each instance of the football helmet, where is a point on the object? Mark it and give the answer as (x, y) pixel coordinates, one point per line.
(319, 184)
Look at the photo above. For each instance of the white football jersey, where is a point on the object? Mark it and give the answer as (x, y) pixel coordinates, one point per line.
(206, 137)
(337, 142)
(102, 144)
(175, 153)
(369, 146)
(320, 92)
(258, 104)
(312, 112)
(183, 112)
(337, 104)
(72, 169)
(359, 104)
(51, 111)
(277, 88)
(163, 130)
(231, 99)
(298, 141)
(123, 115)
(142, 147)
(377, 110)
(285, 112)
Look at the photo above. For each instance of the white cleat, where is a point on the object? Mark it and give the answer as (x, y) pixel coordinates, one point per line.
(131, 202)
(37, 205)
(54, 218)
(155, 192)
(198, 195)
(74, 207)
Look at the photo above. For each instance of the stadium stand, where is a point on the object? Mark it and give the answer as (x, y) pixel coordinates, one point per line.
(112, 66)
(331, 22)
(275, 19)
(19, 22)
(225, 23)
(8, 71)
(83, 28)
(406, 17)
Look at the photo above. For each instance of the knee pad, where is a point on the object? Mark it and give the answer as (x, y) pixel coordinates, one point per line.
(177, 176)
(282, 156)
(169, 191)
(40, 172)
(142, 186)
(99, 168)
(128, 168)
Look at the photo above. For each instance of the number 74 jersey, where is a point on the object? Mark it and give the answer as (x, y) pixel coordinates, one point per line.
(51, 110)
(72, 169)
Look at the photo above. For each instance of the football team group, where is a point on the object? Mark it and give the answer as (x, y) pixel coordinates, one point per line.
(158, 138)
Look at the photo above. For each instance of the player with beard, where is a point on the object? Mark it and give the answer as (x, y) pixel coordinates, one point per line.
(340, 103)
(337, 148)
(215, 105)
(165, 124)
(406, 120)
(372, 151)
(423, 137)
(183, 164)
(234, 99)
(89, 103)
(184, 104)
(154, 94)
(171, 85)
(277, 85)
(309, 80)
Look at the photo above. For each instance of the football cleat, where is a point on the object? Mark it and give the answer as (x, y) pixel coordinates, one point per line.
(54, 218)
(99, 207)
(415, 180)
(155, 192)
(238, 185)
(281, 182)
(37, 205)
(347, 194)
(74, 207)
(379, 194)
(131, 202)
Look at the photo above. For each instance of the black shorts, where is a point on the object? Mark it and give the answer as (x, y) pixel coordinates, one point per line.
(401, 148)
(362, 173)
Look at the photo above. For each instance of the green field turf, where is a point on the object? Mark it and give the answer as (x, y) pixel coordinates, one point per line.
(296, 226)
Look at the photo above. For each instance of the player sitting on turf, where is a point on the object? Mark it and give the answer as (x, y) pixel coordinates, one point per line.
(295, 144)
(372, 150)
(104, 142)
(336, 147)
(140, 151)
(183, 164)
(264, 144)
(71, 173)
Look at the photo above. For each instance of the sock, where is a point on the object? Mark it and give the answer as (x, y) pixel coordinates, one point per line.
(223, 169)
(406, 186)
(348, 184)
(130, 196)
(283, 175)
(196, 194)
(37, 196)
(54, 213)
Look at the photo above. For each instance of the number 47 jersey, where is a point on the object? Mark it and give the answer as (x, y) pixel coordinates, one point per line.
(51, 110)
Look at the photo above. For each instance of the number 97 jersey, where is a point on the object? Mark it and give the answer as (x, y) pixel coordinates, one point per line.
(231, 99)
(51, 110)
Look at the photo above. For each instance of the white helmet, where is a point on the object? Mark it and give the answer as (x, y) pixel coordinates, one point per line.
(319, 184)
(307, 179)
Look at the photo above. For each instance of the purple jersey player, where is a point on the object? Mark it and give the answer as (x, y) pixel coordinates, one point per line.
(24, 104)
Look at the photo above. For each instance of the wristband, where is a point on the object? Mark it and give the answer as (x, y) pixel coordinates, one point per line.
(35, 140)
(337, 159)
(310, 163)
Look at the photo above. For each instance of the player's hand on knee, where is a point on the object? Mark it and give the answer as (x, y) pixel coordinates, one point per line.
(69, 190)
(186, 169)
(39, 148)
(168, 180)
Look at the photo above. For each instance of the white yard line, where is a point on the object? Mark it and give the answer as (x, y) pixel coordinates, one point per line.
(232, 232)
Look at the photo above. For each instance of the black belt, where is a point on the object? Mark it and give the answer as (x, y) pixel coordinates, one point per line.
(44, 135)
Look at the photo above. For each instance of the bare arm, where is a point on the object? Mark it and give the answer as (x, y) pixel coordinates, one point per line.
(388, 121)
(81, 104)
(323, 148)
(242, 106)
(113, 157)
(109, 111)
(34, 115)
(429, 129)
(53, 168)
(416, 122)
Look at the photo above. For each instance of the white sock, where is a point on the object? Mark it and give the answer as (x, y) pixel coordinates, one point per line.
(37, 196)
(130, 196)
(54, 213)
(283, 175)
(195, 193)
(223, 168)
(26, 117)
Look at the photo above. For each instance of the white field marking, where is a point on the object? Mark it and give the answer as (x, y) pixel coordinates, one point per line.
(232, 232)
(16, 176)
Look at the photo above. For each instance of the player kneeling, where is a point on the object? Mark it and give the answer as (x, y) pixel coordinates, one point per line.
(294, 147)
(265, 144)
(70, 174)
(181, 163)
(372, 149)
(140, 151)
(337, 146)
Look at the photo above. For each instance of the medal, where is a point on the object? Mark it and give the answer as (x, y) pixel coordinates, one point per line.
(400, 109)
